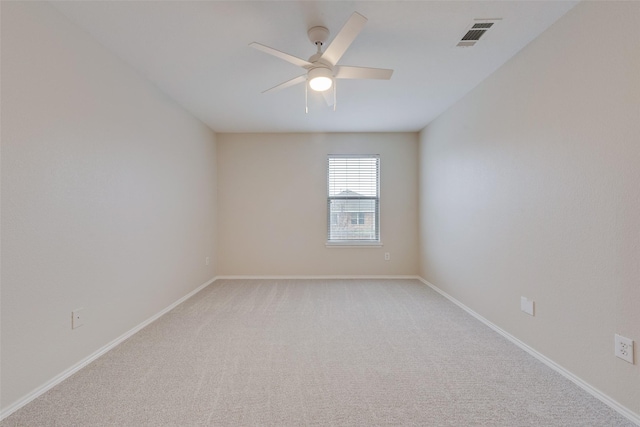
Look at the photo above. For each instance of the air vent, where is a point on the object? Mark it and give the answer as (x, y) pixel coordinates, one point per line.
(473, 35)
(475, 31)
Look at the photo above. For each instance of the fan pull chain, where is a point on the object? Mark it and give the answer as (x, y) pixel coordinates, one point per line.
(306, 103)
(334, 94)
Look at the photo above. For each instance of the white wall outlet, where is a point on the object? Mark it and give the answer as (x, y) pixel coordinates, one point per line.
(387, 256)
(624, 348)
(207, 260)
(526, 305)
(77, 318)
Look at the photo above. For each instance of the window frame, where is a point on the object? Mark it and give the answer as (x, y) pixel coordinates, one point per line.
(377, 240)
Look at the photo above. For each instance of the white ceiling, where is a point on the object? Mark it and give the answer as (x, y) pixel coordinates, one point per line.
(197, 52)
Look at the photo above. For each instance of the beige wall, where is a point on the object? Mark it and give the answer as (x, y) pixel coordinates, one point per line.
(272, 214)
(108, 198)
(530, 186)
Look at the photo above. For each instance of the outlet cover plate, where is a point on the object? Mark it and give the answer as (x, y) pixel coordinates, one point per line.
(526, 305)
(624, 348)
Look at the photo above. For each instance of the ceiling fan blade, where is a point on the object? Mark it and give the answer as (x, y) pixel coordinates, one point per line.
(346, 72)
(278, 54)
(293, 81)
(344, 38)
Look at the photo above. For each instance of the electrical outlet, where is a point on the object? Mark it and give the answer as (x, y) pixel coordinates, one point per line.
(77, 318)
(526, 305)
(624, 348)
(387, 256)
(207, 260)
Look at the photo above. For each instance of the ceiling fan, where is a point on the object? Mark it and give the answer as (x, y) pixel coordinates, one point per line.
(322, 68)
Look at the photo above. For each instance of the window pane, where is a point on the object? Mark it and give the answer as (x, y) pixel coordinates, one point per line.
(349, 176)
(355, 220)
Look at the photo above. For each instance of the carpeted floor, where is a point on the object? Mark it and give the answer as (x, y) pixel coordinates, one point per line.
(316, 352)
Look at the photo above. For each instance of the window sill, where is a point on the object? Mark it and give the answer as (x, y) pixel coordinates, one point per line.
(353, 244)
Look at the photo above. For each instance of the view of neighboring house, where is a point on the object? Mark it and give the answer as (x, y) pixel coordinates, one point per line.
(352, 217)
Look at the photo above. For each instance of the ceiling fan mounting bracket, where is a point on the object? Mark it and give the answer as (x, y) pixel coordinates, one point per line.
(318, 35)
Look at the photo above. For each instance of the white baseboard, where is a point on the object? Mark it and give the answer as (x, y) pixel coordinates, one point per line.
(311, 277)
(84, 362)
(622, 410)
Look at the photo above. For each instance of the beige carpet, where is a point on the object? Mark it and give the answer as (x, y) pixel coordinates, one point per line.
(316, 352)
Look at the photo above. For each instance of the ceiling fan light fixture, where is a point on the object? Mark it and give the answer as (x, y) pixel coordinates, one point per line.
(320, 79)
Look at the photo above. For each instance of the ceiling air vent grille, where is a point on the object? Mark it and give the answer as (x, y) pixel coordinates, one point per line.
(473, 35)
(475, 31)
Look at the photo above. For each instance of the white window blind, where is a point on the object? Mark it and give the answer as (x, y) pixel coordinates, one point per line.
(353, 198)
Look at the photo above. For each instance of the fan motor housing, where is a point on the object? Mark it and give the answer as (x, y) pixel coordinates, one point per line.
(318, 35)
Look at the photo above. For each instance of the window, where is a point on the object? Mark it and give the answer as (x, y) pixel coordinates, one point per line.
(353, 199)
(357, 217)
